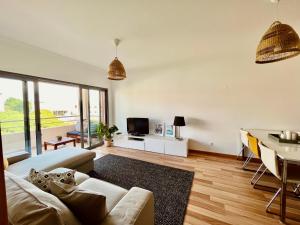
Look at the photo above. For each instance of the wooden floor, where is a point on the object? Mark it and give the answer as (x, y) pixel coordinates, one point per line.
(221, 191)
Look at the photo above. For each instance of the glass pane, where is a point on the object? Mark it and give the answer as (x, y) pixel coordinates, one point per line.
(94, 98)
(85, 108)
(59, 112)
(32, 117)
(11, 115)
(103, 106)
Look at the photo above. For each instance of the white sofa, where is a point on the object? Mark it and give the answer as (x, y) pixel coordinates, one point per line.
(124, 207)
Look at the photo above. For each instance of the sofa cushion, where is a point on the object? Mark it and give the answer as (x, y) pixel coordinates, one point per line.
(87, 206)
(42, 179)
(112, 192)
(68, 157)
(79, 177)
(135, 208)
(28, 205)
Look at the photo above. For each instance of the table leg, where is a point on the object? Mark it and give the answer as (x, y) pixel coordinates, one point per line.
(45, 146)
(283, 192)
(74, 143)
(55, 147)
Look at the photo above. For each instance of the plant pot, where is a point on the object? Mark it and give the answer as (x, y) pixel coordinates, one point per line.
(108, 143)
(59, 138)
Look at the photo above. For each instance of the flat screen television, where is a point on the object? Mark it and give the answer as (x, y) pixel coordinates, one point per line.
(138, 126)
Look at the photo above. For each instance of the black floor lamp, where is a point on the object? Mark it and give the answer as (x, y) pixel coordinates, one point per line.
(178, 122)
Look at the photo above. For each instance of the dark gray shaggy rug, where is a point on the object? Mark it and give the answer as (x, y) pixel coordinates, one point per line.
(171, 186)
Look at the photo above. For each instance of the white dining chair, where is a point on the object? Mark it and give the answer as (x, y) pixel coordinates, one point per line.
(244, 140)
(297, 189)
(270, 161)
(245, 146)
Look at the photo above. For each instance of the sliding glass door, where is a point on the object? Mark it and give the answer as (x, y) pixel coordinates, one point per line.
(12, 116)
(93, 112)
(38, 115)
(59, 114)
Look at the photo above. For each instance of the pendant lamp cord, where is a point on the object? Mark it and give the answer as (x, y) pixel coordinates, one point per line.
(117, 42)
(277, 10)
(116, 51)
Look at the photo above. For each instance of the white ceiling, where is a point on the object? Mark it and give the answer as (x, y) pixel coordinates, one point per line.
(154, 32)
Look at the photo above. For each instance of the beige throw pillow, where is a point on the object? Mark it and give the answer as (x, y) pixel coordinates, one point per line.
(88, 206)
(42, 179)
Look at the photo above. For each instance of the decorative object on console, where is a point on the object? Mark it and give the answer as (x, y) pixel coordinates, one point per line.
(116, 69)
(280, 42)
(178, 122)
(169, 131)
(159, 129)
(106, 132)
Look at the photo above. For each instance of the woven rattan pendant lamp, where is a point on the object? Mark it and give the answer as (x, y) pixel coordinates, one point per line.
(280, 42)
(116, 69)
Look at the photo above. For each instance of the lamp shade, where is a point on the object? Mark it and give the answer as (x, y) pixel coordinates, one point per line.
(179, 121)
(279, 42)
(116, 70)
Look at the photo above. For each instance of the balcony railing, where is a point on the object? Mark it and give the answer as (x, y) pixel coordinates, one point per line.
(47, 122)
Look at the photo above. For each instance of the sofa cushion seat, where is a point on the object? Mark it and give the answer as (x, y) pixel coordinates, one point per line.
(112, 192)
(66, 157)
(27, 204)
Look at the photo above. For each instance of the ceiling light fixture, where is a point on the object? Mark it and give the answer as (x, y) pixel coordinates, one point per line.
(280, 42)
(116, 69)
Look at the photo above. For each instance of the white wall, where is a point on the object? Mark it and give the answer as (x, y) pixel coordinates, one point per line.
(25, 59)
(217, 95)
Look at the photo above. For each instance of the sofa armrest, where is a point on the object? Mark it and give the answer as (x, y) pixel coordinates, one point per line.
(16, 157)
(135, 208)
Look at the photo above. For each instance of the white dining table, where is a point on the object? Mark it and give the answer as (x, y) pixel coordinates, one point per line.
(288, 153)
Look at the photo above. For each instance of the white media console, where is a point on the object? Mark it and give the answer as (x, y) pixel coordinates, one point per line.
(153, 143)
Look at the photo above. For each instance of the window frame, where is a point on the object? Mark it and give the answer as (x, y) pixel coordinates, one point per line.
(35, 79)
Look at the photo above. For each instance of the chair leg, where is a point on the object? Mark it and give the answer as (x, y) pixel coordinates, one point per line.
(263, 172)
(258, 170)
(274, 197)
(243, 148)
(247, 160)
(297, 190)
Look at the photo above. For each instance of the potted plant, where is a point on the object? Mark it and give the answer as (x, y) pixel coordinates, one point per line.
(106, 133)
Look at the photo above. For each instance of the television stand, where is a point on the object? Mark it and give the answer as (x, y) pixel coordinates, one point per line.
(136, 138)
(138, 135)
(153, 143)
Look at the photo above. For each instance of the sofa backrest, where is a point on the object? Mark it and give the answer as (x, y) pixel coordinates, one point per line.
(67, 157)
